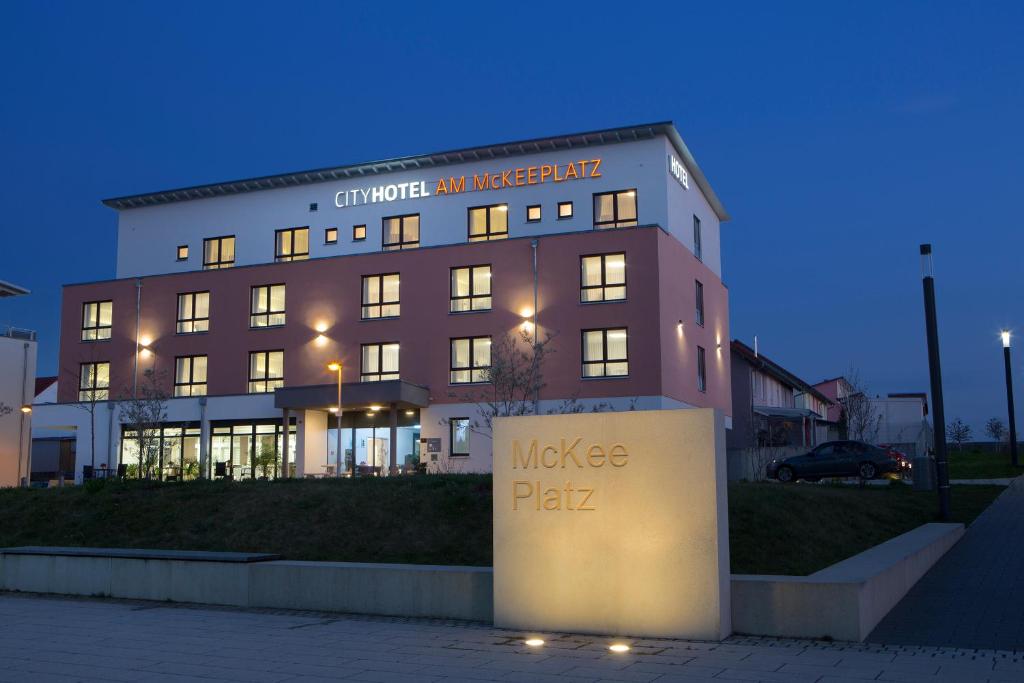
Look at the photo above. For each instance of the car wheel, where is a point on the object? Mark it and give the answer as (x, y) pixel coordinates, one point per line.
(784, 474)
(867, 470)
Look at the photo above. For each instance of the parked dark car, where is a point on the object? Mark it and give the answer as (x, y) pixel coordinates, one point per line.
(835, 459)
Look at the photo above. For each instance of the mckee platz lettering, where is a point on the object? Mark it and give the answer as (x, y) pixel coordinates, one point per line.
(567, 454)
(520, 176)
(381, 193)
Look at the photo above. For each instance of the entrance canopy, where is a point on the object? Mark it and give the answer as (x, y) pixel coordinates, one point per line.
(355, 396)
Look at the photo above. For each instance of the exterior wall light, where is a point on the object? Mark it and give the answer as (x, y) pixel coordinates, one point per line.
(320, 327)
(27, 409)
(320, 340)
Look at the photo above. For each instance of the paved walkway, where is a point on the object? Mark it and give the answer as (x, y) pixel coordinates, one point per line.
(63, 639)
(974, 596)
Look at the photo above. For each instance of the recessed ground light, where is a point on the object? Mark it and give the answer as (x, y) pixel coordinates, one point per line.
(619, 647)
(534, 642)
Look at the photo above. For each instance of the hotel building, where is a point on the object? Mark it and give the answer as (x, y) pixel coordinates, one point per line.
(414, 273)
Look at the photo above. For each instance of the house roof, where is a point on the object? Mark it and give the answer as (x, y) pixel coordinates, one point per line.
(762, 362)
(8, 289)
(44, 383)
(458, 156)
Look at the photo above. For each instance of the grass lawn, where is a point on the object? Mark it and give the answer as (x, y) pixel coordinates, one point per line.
(974, 464)
(794, 529)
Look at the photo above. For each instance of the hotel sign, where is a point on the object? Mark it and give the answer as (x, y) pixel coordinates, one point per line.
(612, 523)
(521, 176)
(678, 171)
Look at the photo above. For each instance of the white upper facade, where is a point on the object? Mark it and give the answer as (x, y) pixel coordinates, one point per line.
(670, 192)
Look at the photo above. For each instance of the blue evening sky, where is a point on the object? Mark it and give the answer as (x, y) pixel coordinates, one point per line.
(838, 135)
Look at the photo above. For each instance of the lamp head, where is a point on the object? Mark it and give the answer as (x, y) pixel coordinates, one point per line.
(1006, 338)
(27, 409)
(334, 366)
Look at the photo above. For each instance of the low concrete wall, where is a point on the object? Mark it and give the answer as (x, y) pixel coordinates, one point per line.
(845, 601)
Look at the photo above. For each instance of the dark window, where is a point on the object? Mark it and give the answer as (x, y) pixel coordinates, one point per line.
(190, 376)
(533, 214)
(267, 307)
(381, 296)
(97, 320)
(219, 252)
(605, 352)
(291, 244)
(94, 381)
(266, 371)
(698, 250)
(358, 233)
(564, 210)
(700, 303)
(488, 222)
(702, 370)
(602, 277)
(401, 232)
(458, 436)
(470, 360)
(615, 209)
(314, 206)
(193, 312)
(330, 235)
(470, 289)
(379, 362)
(183, 252)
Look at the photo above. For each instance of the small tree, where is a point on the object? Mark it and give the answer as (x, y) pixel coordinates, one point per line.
(143, 412)
(88, 400)
(958, 432)
(860, 417)
(996, 429)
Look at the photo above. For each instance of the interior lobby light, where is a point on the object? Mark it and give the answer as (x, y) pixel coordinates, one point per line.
(375, 407)
(333, 410)
(410, 413)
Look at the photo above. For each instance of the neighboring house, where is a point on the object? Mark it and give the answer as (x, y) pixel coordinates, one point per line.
(836, 390)
(903, 422)
(771, 405)
(53, 450)
(17, 372)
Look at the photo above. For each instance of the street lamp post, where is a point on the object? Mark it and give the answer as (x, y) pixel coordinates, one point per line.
(1009, 398)
(336, 366)
(935, 372)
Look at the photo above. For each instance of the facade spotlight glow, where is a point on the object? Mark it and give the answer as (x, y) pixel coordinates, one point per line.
(534, 642)
(1005, 334)
(320, 340)
(320, 327)
(618, 647)
(526, 312)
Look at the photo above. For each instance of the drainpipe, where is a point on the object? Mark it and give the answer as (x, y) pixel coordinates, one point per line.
(110, 433)
(138, 323)
(21, 432)
(536, 330)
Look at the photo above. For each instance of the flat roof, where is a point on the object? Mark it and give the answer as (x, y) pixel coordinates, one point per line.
(8, 289)
(470, 154)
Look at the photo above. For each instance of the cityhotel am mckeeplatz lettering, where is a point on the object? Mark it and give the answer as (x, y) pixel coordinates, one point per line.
(498, 180)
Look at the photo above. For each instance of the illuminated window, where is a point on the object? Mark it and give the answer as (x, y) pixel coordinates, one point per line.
(700, 303)
(533, 213)
(605, 353)
(702, 370)
(193, 312)
(458, 436)
(97, 320)
(267, 308)
(190, 376)
(602, 277)
(266, 371)
(330, 235)
(698, 250)
(291, 244)
(471, 289)
(488, 223)
(183, 252)
(358, 233)
(379, 362)
(470, 360)
(615, 209)
(381, 296)
(94, 382)
(219, 252)
(564, 210)
(401, 232)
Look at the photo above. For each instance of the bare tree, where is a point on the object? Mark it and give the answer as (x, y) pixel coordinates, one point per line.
(996, 429)
(859, 416)
(958, 432)
(143, 412)
(89, 399)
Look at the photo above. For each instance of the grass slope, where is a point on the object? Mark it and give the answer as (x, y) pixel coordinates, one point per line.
(774, 529)
(975, 464)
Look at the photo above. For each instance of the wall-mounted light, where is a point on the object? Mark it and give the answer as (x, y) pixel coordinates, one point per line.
(27, 409)
(679, 328)
(320, 340)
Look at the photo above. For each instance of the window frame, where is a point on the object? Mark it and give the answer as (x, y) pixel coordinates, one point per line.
(253, 315)
(380, 297)
(379, 375)
(91, 391)
(267, 379)
(699, 295)
(219, 264)
(401, 244)
(605, 360)
(540, 213)
(327, 236)
(471, 368)
(182, 248)
(702, 370)
(280, 257)
(604, 278)
(488, 235)
(617, 222)
(572, 211)
(191, 384)
(179, 321)
(99, 327)
(451, 437)
(698, 239)
(472, 296)
(356, 230)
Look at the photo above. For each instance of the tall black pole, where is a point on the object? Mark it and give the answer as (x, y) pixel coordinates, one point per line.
(935, 372)
(1009, 400)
